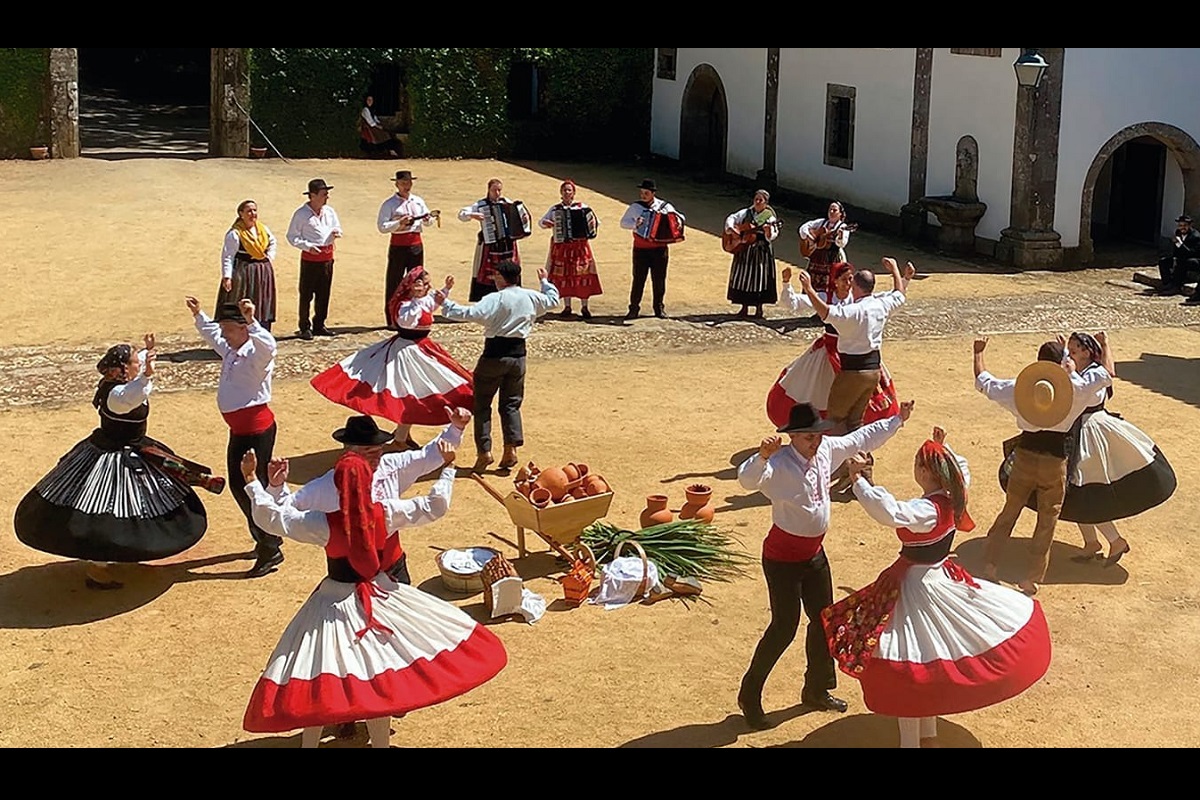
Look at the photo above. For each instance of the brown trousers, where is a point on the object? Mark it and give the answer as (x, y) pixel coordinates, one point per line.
(1031, 472)
(849, 395)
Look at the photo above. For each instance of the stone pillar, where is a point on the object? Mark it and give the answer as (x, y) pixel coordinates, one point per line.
(912, 213)
(1030, 241)
(229, 103)
(767, 177)
(64, 102)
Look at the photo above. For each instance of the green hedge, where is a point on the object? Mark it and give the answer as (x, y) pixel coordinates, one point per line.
(24, 118)
(596, 100)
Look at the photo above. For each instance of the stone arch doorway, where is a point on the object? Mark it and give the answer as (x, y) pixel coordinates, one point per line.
(1134, 158)
(704, 122)
(228, 97)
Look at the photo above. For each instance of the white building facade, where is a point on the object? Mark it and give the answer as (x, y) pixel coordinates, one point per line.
(943, 143)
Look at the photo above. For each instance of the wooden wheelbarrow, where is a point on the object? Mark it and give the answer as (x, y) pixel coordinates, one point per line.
(559, 525)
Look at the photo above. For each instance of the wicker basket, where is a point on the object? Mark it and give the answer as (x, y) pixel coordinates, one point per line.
(644, 584)
(463, 583)
(496, 569)
(577, 584)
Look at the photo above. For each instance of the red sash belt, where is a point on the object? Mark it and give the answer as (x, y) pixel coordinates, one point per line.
(249, 421)
(364, 591)
(320, 257)
(642, 243)
(406, 239)
(783, 546)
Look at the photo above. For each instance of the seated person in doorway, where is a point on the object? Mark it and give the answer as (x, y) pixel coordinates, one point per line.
(1184, 259)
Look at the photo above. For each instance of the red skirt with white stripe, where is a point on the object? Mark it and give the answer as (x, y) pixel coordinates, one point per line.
(414, 651)
(407, 382)
(926, 640)
(809, 377)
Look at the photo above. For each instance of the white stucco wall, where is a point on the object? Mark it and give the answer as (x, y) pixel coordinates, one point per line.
(1106, 89)
(974, 96)
(743, 72)
(883, 83)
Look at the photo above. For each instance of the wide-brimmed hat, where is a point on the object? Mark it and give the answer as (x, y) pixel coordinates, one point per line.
(404, 175)
(804, 418)
(362, 431)
(648, 183)
(1044, 394)
(316, 185)
(1183, 218)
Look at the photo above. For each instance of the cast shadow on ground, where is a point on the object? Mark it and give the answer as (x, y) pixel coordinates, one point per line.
(732, 502)
(1014, 563)
(54, 595)
(1168, 375)
(196, 354)
(713, 734)
(877, 731)
(360, 739)
(782, 325)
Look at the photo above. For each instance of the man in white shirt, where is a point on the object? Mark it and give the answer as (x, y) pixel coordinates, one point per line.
(1046, 401)
(247, 353)
(402, 216)
(650, 255)
(313, 230)
(795, 478)
(507, 317)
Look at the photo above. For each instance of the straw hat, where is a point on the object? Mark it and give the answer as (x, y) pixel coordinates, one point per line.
(1044, 394)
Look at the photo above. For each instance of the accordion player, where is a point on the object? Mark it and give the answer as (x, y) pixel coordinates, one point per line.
(505, 221)
(572, 224)
(657, 226)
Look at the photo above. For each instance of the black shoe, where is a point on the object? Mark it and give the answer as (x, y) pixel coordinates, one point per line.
(1193, 299)
(346, 730)
(585, 313)
(102, 586)
(265, 564)
(323, 332)
(661, 313)
(631, 314)
(824, 702)
(567, 313)
(752, 712)
(306, 335)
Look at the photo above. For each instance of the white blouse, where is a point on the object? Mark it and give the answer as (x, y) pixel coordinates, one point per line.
(798, 301)
(738, 217)
(809, 231)
(233, 243)
(918, 515)
(370, 117)
(126, 397)
(416, 313)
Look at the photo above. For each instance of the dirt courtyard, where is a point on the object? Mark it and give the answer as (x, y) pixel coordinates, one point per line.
(106, 250)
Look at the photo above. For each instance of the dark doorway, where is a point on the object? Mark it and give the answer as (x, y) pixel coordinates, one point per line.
(1136, 192)
(144, 101)
(704, 123)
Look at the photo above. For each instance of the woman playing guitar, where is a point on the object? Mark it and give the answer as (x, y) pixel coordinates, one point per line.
(823, 242)
(748, 234)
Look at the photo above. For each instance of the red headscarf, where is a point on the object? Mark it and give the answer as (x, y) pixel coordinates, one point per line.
(357, 530)
(404, 290)
(934, 456)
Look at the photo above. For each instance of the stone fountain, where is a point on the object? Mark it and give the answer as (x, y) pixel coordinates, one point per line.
(958, 214)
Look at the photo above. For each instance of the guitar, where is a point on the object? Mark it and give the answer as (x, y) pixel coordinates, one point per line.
(745, 233)
(824, 238)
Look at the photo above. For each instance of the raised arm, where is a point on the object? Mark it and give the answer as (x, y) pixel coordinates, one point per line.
(549, 296)
(408, 513)
(814, 299)
(793, 300)
(309, 527)
(1106, 357)
(209, 331)
(125, 397)
(867, 438)
(919, 515)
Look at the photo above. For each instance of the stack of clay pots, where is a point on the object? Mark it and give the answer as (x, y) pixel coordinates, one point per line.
(546, 487)
(698, 506)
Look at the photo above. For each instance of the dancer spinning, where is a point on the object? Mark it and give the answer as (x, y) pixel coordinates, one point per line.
(118, 495)
(1114, 470)
(408, 379)
(362, 646)
(809, 378)
(570, 263)
(926, 639)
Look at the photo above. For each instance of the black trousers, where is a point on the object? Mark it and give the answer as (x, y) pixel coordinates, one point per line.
(1174, 271)
(505, 375)
(789, 586)
(650, 261)
(265, 544)
(316, 281)
(401, 259)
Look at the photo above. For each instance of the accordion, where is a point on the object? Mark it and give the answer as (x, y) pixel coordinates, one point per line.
(664, 228)
(505, 221)
(571, 224)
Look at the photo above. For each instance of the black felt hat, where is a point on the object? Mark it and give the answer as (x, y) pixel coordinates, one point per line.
(362, 431)
(648, 183)
(1183, 218)
(316, 185)
(404, 175)
(229, 312)
(805, 419)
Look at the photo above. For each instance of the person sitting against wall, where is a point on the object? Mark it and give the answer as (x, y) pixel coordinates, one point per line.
(374, 138)
(1184, 259)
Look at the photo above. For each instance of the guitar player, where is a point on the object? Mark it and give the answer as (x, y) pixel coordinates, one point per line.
(748, 235)
(823, 243)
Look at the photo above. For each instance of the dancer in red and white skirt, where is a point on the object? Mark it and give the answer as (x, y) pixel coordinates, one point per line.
(808, 378)
(570, 263)
(409, 379)
(362, 646)
(926, 639)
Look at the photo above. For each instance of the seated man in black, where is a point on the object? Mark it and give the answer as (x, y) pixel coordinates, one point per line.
(1184, 258)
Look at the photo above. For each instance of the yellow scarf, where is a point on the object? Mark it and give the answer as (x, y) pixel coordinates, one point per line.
(255, 242)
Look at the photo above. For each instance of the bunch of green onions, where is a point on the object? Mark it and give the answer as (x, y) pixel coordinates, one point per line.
(684, 548)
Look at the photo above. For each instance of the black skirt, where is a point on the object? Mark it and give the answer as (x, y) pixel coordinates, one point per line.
(104, 501)
(752, 276)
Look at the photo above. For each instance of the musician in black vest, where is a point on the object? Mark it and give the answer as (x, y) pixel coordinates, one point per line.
(1184, 258)
(488, 254)
(650, 255)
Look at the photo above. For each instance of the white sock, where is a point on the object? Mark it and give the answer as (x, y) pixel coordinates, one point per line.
(380, 730)
(910, 732)
(311, 737)
(928, 727)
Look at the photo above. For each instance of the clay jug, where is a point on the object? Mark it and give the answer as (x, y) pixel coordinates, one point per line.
(656, 511)
(699, 503)
(555, 480)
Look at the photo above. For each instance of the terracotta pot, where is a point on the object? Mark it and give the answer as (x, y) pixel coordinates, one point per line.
(594, 485)
(38, 153)
(525, 487)
(583, 470)
(579, 493)
(567, 498)
(703, 512)
(698, 494)
(540, 497)
(522, 475)
(656, 511)
(555, 480)
(258, 152)
(572, 472)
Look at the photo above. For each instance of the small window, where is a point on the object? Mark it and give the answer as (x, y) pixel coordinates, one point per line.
(987, 52)
(386, 87)
(839, 126)
(526, 90)
(666, 63)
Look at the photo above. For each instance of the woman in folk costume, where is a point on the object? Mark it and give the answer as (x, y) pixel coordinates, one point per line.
(362, 647)
(1114, 470)
(808, 378)
(489, 254)
(409, 379)
(827, 238)
(926, 639)
(570, 264)
(752, 273)
(118, 495)
(247, 269)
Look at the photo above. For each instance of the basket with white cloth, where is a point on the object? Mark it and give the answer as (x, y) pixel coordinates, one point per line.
(627, 579)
